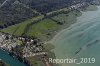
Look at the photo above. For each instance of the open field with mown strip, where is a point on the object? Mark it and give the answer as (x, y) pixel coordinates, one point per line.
(18, 29)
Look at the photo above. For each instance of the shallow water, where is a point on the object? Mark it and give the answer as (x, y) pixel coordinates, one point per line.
(84, 34)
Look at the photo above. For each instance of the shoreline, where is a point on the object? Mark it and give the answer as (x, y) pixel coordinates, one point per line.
(14, 56)
(64, 28)
(65, 25)
(60, 29)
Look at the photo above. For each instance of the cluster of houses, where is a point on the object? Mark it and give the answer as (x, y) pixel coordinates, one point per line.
(76, 6)
(67, 9)
(7, 42)
(32, 47)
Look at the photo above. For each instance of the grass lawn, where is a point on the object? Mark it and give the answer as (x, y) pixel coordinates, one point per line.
(18, 29)
(67, 18)
(36, 30)
(42, 27)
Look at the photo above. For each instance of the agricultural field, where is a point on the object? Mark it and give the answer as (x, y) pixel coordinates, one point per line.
(42, 28)
(18, 29)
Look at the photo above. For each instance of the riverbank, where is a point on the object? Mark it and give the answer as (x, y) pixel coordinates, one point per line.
(11, 60)
(58, 32)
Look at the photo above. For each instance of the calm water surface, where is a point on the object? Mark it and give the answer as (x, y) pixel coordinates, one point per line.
(9, 59)
(84, 34)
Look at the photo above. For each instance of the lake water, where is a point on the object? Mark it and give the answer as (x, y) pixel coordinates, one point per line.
(86, 31)
(9, 59)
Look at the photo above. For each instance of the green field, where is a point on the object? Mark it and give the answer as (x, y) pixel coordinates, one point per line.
(42, 28)
(67, 18)
(39, 29)
(18, 29)
(48, 26)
